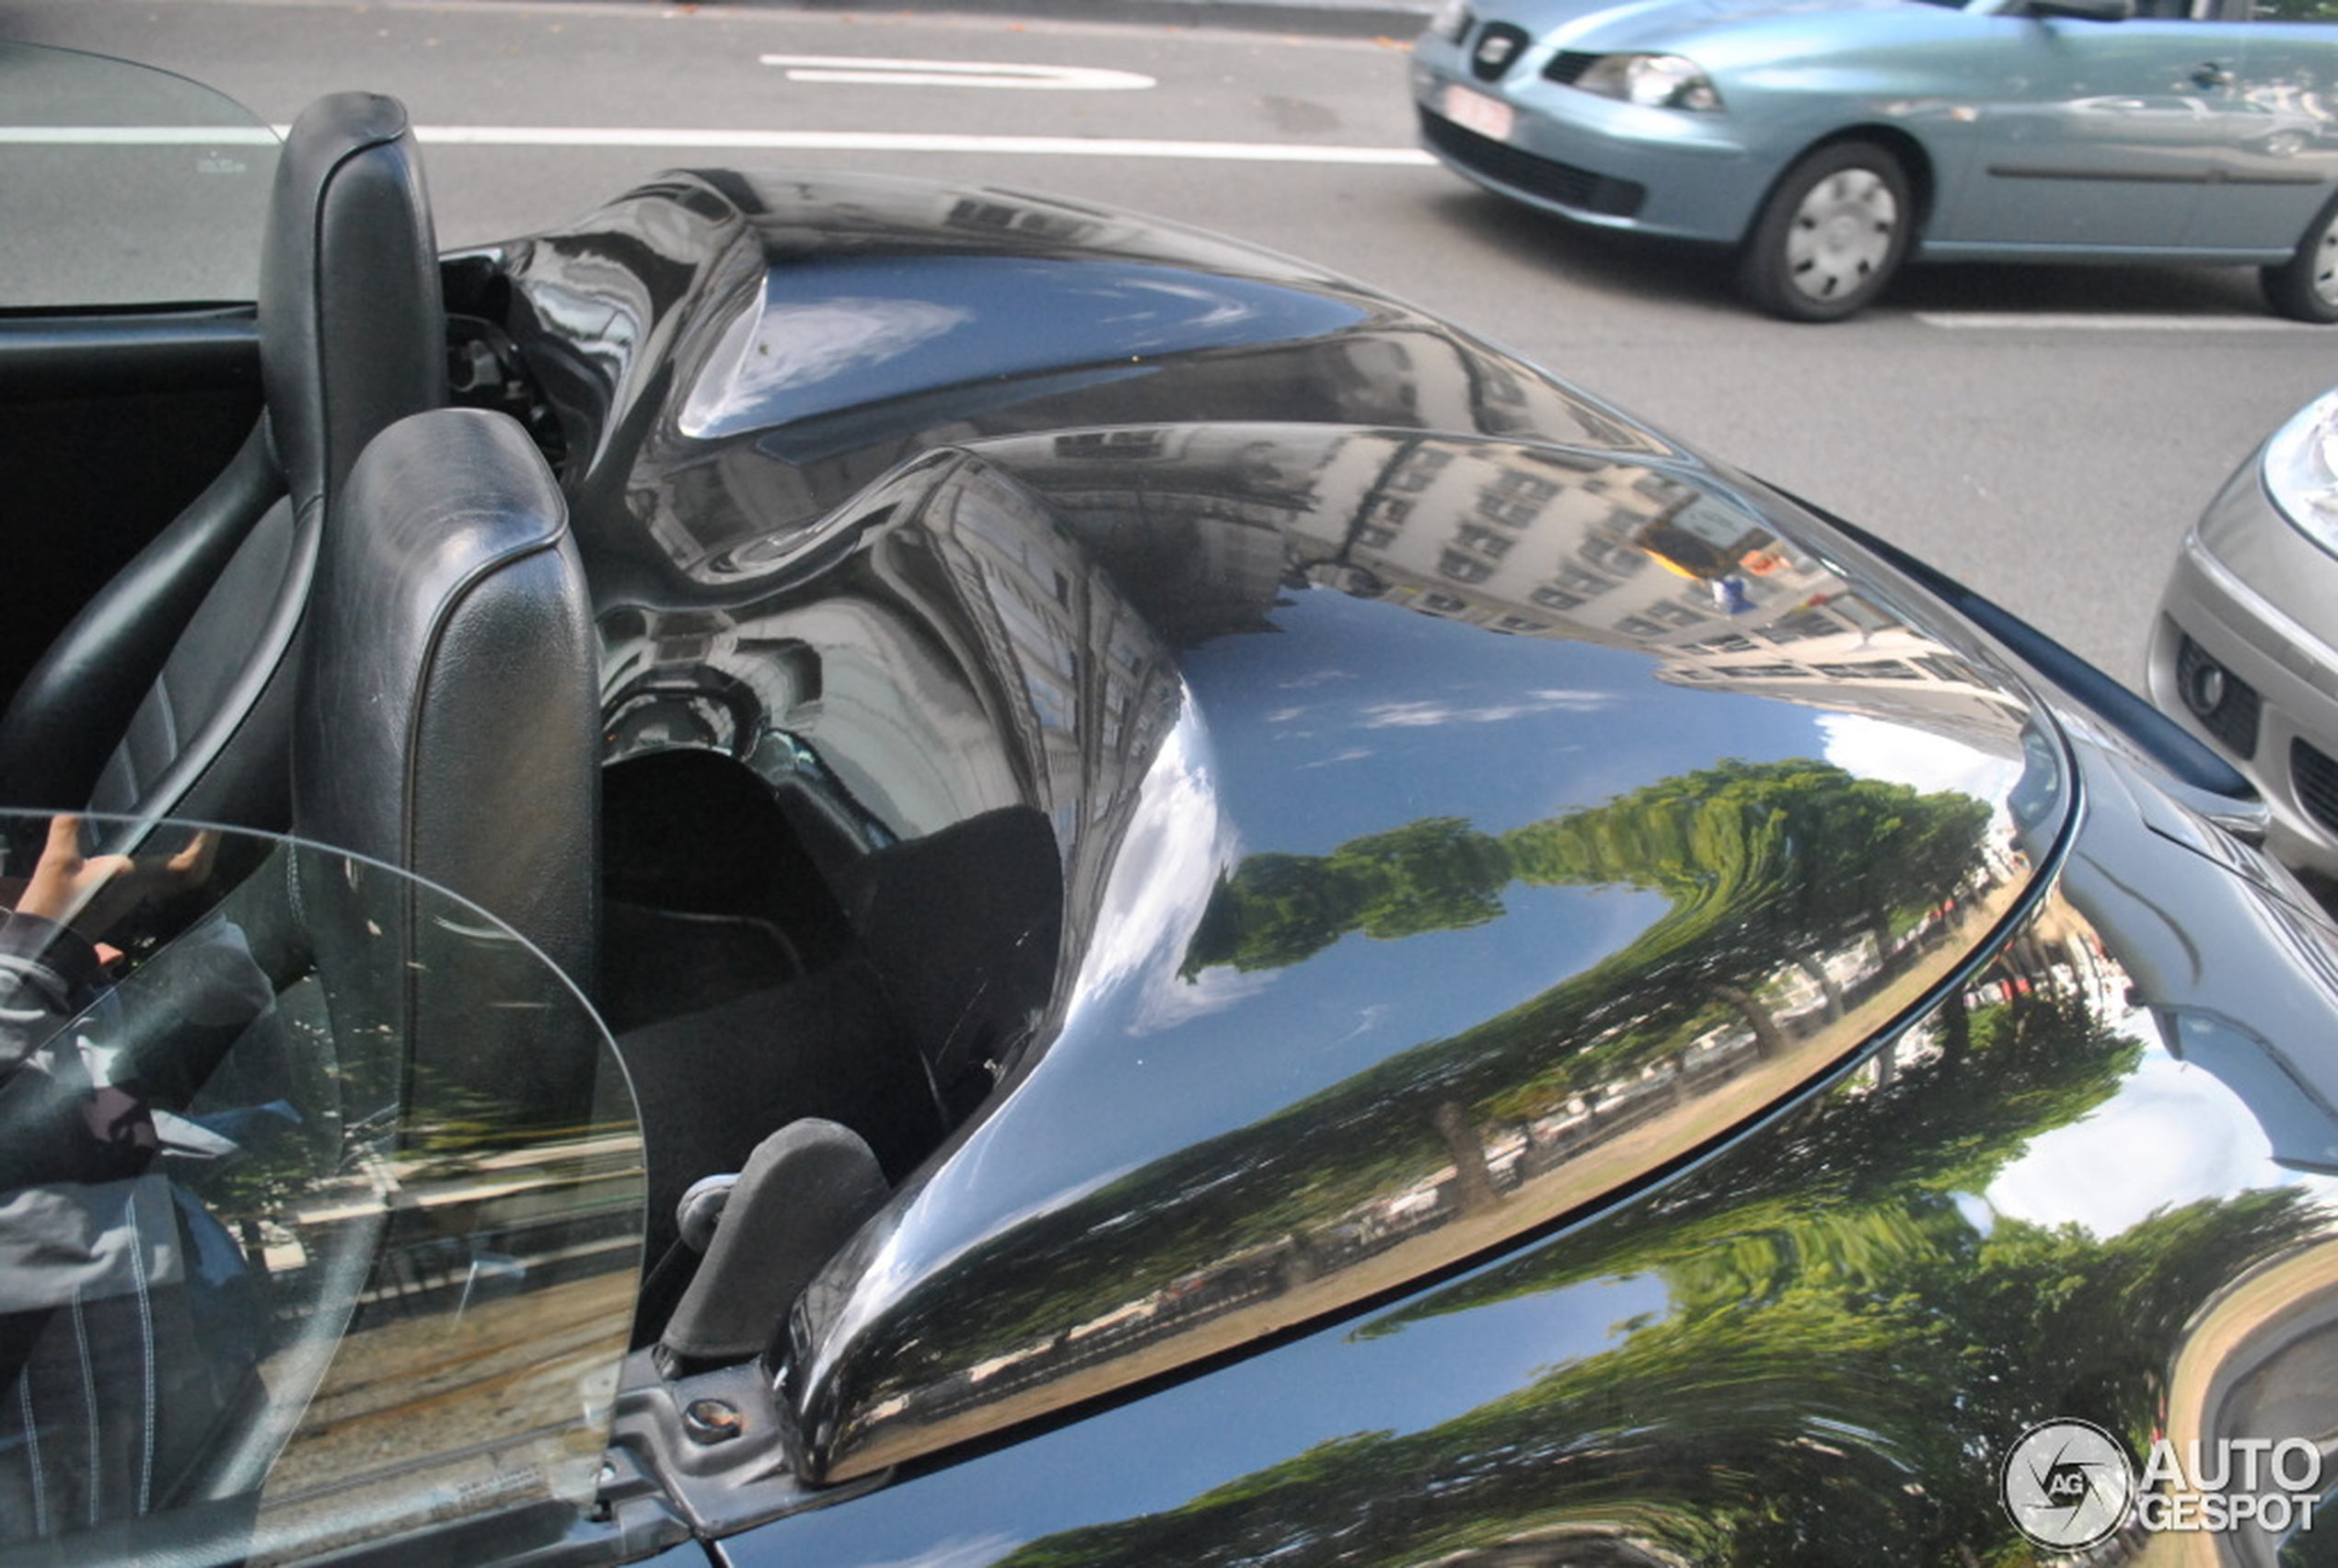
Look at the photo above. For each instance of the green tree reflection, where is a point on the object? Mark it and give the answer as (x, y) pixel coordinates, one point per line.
(1805, 841)
(1842, 1354)
(1761, 863)
(1268, 1208)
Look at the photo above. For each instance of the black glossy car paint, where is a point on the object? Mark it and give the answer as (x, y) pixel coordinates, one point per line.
(1188, 1283)
(1443, 979)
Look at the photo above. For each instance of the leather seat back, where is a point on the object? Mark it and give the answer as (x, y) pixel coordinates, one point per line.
(169, 693)
(449, 726)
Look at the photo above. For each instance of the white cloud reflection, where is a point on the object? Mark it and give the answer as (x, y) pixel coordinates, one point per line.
(957, 1553)
(1422, 715)
(1877, 748)
(1164, 871)
(783, 347)
(2175, 1135)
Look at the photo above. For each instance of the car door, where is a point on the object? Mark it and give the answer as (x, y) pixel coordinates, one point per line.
(2101, 133)
(132, 204)
(2277, 162)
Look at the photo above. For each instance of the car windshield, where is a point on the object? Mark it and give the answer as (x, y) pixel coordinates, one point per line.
(320, 1205)
(99, 157)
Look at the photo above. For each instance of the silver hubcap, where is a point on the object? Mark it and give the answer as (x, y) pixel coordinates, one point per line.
(1842, 233)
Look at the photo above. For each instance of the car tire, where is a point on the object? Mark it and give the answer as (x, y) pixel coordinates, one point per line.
(1832, 234)
(2305, 287)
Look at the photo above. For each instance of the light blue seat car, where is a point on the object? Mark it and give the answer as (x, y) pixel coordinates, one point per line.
(1831, 140)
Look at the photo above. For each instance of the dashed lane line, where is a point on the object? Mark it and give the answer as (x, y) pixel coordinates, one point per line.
(853, 70)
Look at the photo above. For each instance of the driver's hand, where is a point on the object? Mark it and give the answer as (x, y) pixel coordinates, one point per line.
(91, 891)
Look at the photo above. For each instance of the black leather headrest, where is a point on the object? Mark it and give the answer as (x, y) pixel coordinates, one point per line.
(353, 323)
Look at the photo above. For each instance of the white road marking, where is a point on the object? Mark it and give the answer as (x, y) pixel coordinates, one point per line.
(912, 141)
(138, 135)
(955, 74)
(2044, 321)
(1036, 146)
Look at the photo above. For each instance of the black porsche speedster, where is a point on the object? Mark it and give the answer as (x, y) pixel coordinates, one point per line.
(847, 871)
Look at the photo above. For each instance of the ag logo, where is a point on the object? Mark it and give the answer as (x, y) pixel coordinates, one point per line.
(2066, 1484)
(1494, 50)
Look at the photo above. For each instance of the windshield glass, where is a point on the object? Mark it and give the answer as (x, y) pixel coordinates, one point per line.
(320, 1205)
(124, 186)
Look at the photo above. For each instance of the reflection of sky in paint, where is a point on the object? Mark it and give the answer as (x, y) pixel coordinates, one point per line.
(2174, 1135)
(956, 1552)
(1371, 717)
(1178, 1443)
(798, 345)
(1297, 752)
(1366, 998)
(1138, 1075)
(1873, 748)
(1164, 868)
(857, 331)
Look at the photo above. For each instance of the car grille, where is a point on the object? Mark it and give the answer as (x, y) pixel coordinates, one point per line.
(1566, 66)
(2315, 776)
(1554, 182)
(2233, 718)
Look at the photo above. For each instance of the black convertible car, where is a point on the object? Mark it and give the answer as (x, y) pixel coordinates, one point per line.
(849, 871)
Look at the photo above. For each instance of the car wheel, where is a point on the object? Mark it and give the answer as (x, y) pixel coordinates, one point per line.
(1831, 235)
(2305, 287)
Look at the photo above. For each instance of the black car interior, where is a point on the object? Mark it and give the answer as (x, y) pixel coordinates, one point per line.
(449, 724)
(808, 1006)
(397, 657)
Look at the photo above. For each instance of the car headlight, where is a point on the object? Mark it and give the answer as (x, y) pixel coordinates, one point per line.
(1659, 81)
(1451, 21)
(2301, 470)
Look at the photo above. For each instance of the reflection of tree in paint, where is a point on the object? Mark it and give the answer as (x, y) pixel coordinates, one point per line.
(1763, 863)
(1448, 1127)
(1841, 1357)
(1437, 874)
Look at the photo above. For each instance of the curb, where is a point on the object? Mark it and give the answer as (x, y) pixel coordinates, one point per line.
(1322, 19)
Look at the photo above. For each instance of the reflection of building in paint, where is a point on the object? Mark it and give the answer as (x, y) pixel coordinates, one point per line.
(1210, 511)
(1519, 538)
(1843, 653)
(1098, 689)
(1533, 538)
(1208, 523)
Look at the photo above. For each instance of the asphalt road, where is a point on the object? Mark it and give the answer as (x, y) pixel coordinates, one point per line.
(2045, 433)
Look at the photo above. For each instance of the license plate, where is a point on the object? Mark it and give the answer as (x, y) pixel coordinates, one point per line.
(1473, 110)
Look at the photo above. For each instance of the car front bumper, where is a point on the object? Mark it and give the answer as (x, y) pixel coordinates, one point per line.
(2241, 654)
(1597, 160)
